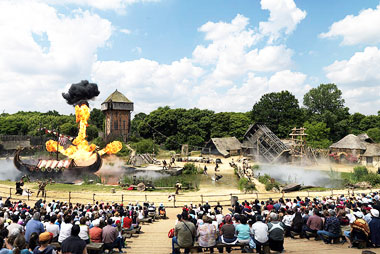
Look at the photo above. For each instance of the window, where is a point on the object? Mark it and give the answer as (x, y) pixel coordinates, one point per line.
(115, 124)
(369, 160)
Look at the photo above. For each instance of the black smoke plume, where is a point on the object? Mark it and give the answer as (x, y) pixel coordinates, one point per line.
(81, 92)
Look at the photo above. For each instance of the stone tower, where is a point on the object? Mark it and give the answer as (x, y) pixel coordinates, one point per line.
(117, 109)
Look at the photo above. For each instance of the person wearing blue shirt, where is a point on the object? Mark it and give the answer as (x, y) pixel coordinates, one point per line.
(34, 225)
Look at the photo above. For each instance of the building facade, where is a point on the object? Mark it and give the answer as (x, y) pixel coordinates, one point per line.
(117, 109)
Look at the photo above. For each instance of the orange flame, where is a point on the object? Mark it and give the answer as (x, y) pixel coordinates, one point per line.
(81, 150)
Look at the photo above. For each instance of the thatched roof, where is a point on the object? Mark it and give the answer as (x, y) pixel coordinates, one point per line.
(350, 142)
(372, 150)
(117, 97)
(223, 145)
(365, 137)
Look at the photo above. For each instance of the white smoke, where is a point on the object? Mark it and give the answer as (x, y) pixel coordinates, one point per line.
(8, 171)
(292, 174)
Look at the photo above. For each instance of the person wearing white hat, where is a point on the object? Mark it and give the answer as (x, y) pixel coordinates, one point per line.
(359, 229)
(374, 227)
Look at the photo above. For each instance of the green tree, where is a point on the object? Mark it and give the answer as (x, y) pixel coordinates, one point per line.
(97, 118)
(374, 133)
(317, 134)
(279, 111)
(325, 104)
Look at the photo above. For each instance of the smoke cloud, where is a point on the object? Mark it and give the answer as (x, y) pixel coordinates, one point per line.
(81, 92)
(8, 171)
(291, 174)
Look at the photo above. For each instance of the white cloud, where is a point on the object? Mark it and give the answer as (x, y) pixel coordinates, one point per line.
(361, 67)
(232, 53)
(125, 31)
(33, 73)
(363, 28)
(284, 16)
(117, 5)
(242, 98)
(148, 83)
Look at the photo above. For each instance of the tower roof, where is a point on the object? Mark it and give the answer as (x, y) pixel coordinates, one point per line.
(117, 97)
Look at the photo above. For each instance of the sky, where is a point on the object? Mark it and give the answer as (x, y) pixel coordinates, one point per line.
(221, 55)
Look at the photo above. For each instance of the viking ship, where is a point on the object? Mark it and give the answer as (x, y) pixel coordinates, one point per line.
(53, 167)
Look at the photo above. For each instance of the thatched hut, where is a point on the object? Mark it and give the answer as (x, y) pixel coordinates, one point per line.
(371, 157)
(350, 144)
(223, 146)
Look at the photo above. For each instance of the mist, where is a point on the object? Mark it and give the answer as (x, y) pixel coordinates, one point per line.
(287, 174)
(8, 171)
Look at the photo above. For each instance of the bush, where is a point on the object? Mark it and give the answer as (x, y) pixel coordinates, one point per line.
(360, 172)
(124, 151)
(256, 166)
(264, 179)
(245, 185)
(145, 146)
(372, 178)
(190, 169)
(269, 186)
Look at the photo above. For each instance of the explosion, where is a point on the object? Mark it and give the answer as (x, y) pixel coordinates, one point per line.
(81, 150)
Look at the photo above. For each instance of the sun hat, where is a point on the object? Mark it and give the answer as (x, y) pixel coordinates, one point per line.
(358, 214)
(375, 212)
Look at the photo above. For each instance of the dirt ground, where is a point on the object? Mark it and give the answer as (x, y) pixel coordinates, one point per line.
(208, 191)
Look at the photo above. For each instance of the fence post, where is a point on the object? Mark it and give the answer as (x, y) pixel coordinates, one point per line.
(10, 192)
(174, 201)
(122, 198)
(93, 198)
(348, 192)
(146, 198)
(308, 195)
(45, 194)
(283, 194)
(28, 194)
(69, 197)
(257, 195)
(202, 199)
(332, 192)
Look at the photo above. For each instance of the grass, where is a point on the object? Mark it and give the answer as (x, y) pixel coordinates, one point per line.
(188, 181)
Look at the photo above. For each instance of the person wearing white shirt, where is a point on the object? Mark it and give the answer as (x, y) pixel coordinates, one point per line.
(65, 229)
(260, 232)
(53, 228)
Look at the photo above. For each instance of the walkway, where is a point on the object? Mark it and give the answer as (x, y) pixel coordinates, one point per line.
(155, 240)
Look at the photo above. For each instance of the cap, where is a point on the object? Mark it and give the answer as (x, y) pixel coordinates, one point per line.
(44, 237)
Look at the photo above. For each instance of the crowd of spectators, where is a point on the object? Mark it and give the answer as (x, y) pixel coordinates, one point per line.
(25, 229)
(264, 224)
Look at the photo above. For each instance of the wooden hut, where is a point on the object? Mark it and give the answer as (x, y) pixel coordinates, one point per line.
(371, 157)
(350, 145)
(222, 146)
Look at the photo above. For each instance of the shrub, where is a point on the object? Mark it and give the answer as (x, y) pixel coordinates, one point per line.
(360, 172)
(255, 166)
(245, 185)
(269, 186)
(145, 146)
(372, 178)
(190, 169)
(264, 179)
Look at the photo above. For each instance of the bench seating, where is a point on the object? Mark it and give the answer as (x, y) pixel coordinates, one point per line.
(196, 246)
(91, 247)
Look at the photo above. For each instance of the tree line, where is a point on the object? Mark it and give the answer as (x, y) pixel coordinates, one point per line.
(323, 114)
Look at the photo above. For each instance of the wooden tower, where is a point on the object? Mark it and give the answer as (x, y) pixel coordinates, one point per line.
(117, 109)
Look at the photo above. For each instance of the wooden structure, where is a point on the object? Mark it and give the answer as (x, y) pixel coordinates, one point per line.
(262, 144)
(371, 156)
(117, 109)
(300, 152)
(223, 146)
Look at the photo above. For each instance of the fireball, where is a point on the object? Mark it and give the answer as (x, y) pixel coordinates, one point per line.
(81, 150)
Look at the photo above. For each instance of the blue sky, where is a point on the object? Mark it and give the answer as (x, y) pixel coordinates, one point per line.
(216, 54)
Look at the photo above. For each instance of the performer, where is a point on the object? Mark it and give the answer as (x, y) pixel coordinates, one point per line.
(19, 185)
(164, 165)
(205, 170)
(41, 188)
(178, 186)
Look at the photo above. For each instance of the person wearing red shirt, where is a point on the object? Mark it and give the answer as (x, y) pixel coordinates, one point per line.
(127, 222)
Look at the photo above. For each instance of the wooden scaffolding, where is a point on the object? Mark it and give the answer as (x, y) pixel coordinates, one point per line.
(300, 152)
(262, 144)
